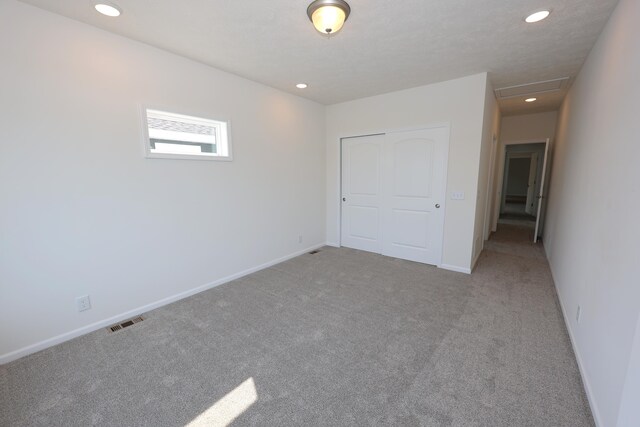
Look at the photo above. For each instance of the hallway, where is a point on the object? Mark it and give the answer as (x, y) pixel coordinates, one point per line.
(515, 304)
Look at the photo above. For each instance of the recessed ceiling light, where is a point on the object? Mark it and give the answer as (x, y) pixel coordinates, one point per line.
(537, 16)
(108, 9)
(530, 99)
(301, 85)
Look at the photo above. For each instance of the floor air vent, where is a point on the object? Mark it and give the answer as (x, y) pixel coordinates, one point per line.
(314, 252)
(125, 324)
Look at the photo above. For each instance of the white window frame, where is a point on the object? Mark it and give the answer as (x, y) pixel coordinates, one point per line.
(223, 132)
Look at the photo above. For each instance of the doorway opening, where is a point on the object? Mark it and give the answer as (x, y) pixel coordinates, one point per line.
(522, 172)
(521, 193)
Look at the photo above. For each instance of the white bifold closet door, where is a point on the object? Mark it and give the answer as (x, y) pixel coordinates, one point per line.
(393, 188)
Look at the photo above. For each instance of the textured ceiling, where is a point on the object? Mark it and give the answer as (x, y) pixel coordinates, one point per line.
(384, 46)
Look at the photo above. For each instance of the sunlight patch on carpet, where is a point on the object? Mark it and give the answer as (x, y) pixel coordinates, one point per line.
(231, 406)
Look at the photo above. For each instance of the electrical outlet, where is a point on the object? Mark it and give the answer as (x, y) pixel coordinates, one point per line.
(578, 313)
(299, 238)
(457, 195)
(83, 303)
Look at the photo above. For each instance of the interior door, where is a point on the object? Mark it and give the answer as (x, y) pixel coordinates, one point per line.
(542, 194)
(361, 192)
(413, 166)
(531, 184)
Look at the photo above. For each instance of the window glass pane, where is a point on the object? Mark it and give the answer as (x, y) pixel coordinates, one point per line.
(181, 135)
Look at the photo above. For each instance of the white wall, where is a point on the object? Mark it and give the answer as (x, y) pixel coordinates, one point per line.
(527, 127)
(83, 212)
(460, 102)
(490, 136)
(629, 414)
(592, 235)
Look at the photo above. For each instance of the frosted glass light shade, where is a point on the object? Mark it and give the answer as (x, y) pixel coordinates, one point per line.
(328, 16)
(328, 19)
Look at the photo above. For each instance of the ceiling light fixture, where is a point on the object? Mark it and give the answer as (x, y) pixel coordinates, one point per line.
(301, 85)
(530, 99)
(108, 9)
(328, 16)
(537, 16)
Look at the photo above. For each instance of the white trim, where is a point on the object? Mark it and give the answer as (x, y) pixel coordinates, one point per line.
(33, 348)
(393, 130)
(188, 157)
(455, 268)
(525, 141)
(542, 192)
(585, 380)
(486, 225)
(445, 194)
(333, 244)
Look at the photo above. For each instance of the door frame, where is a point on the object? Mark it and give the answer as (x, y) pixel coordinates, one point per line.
(500, 164)
(445, 170)
(532, 184)
(486, 226)
(542, 192)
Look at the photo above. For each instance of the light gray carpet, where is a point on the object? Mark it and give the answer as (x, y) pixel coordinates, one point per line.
(515, 208)
(341, 337)
(516, 211)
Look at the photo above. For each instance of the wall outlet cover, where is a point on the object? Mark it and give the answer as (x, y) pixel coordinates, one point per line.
(83, 303)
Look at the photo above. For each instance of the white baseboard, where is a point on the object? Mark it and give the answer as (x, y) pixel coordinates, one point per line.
(50, 342)
(585, 380)
(333, 244)
(455, 268)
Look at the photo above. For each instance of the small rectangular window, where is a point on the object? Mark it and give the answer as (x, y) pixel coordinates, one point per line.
(176, 136)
